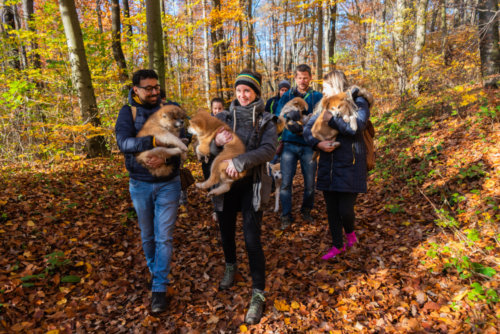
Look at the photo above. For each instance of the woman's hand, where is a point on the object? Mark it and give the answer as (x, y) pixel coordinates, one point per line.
(231, 170)
(327, 116)
(154, 162)
(223, 137)
(328, 146)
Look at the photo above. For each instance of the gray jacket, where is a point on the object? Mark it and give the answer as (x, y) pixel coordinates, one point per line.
(260, 142)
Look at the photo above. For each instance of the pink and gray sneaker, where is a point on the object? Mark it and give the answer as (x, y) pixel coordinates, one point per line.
(332, 253)
(351, 239)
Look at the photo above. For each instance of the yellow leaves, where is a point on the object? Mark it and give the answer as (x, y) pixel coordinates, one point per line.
(243, 329)
(461, 295)
(295, 305)
(281, 305)
(30, 223)
(468, 99)
(488, 184)
(119, 254)
(54, 331)
(62, 301)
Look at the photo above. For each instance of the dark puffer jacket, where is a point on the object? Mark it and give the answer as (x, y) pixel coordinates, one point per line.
(260, 142)
(344, 169)
(126, 130)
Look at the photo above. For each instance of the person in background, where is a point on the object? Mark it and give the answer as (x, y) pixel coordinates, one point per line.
(156, 199)
(296, 149)
(272, 103)
(216, 105)
(342, 171)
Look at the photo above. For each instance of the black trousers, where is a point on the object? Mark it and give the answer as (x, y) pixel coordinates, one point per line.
(239, 199)
(205, 168)
(340, 210)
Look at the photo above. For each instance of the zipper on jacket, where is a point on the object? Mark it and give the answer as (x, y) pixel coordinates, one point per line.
(353, 154)
(331, 170)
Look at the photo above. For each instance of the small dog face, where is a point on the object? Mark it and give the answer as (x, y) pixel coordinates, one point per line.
(337, 104)
(276, 171)
(171, 118)
(299, 104)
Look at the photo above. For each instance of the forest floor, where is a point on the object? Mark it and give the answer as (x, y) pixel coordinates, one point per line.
(71, 256)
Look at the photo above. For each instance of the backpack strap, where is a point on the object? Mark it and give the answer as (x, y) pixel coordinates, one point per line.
(134, 112)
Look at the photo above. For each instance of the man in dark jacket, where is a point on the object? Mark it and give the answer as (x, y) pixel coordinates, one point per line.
(156, 199)
(296, 149)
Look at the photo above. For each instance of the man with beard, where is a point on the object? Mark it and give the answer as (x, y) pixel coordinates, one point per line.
(155, 199)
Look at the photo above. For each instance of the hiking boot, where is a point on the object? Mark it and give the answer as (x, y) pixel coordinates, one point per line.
(229, 275)
(306, 216)
(351, 239)
(332, 253)
(159, 302)
(256, 307)
(285, 222)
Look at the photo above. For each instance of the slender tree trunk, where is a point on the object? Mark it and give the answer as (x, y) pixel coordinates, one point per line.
(419, 45)
(24, 58)
(216, 46)
(488, 42)
(10, 24)
(285, 38)
(98, 12)
(251, 37)
(444, 35)
(205, 52)
(126, 16)
(332, 20)
(28, 10)
(319, 70)
(399, 41)
(116, 43)
(96, 146)
(155, 39)
(435, 13)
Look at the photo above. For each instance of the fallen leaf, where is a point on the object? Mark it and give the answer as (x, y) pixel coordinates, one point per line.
(30, 223)
(243, 328)
(295, 305)
(213, 320)
(119, 254)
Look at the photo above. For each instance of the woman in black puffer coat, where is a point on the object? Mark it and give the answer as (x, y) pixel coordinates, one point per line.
(342, 171)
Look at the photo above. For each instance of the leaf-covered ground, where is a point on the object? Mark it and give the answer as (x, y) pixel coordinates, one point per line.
(390, 282)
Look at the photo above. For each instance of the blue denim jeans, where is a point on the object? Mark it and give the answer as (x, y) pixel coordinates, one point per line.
(156, 206)
(291, 154)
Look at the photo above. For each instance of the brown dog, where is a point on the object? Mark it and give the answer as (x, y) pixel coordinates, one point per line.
(338, 105)
(206, 127)
(299, 105)
(165, 125)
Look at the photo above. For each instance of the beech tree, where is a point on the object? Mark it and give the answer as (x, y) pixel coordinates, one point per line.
(488, 41)
(155, 40)
(96, 146)
(116, 43)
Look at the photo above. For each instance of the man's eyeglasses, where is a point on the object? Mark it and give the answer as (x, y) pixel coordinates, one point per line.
(149, 89)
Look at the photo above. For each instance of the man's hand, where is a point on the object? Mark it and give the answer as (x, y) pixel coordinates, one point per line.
(154, 162)
(295, 128)
(223, 137)
(328, 146)
(327, 116)
(294, 115)
(231, 170)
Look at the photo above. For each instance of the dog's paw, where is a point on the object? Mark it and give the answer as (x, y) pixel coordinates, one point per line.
(200, 185)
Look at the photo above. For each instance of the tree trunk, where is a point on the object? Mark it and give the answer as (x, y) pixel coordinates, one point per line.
(10, 24)
(251, 37)
(419, 45)
(126, 15)
(24, 58)
(319, 70)
(399, 41)
(155, 40)
(96, 146)
(190, 38)
(216, 46)
(488, 42)
(332, 10)
(205, 52)
(99, 18)
(116, 43)
(435, 13)
(28, 10)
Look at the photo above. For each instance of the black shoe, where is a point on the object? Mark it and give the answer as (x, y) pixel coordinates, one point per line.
(306, 216)
(159, 302)
(229, 275)
(285, 222)
(256, 307)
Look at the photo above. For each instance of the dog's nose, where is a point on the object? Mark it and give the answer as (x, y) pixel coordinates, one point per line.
(179, 123)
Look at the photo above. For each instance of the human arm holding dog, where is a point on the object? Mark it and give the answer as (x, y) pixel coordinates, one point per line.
(343, 127)
(316, 144)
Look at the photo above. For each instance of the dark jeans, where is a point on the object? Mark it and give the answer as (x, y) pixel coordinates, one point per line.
(291, 155)
(205, 168)
(340, 210)
(239, 199)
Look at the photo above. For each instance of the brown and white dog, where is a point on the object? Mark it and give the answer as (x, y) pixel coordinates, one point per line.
(165, 125)
(206, 128)
(277, 177)
(296, 104)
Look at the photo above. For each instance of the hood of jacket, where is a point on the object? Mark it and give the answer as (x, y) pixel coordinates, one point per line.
(134, 103)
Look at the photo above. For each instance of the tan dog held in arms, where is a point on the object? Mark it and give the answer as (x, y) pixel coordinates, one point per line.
(295, 104)
(165, 125)
(206, 128)
(339, 105)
